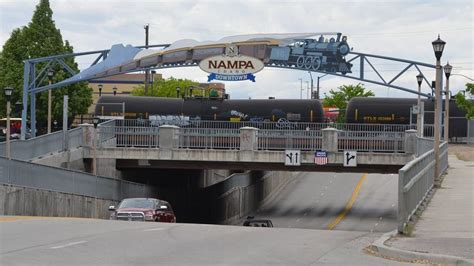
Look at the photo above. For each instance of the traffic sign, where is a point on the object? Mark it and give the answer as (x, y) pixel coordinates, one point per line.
(350, 158)
(292, 158)
(321, 157)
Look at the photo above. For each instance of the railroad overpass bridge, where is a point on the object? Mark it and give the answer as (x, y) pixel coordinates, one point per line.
(250, 148)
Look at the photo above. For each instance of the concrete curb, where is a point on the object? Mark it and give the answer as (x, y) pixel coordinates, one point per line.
(384, 250)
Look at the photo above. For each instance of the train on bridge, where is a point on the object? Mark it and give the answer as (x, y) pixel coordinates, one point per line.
(360, 110)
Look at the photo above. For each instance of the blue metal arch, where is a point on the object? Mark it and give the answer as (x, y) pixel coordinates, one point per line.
(31, 79)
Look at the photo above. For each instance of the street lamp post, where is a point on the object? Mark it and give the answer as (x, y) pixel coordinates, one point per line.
(301, 88)
(317, 85)
(419, 129)
(8, 93)
(114, 90)
(178, 89)
(447, 73)
(50, 74)
(312, 92)
(307, 89)
(438, 47)
(95, 121)
(100, 89)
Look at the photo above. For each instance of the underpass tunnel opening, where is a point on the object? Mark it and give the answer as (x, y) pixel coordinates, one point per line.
(192, 193)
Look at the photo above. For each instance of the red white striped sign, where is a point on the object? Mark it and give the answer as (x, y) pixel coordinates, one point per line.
(321, 157)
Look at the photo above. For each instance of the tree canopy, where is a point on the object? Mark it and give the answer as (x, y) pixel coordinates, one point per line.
(339, 98)
(39, 39)
(463, 102)
(166, 88)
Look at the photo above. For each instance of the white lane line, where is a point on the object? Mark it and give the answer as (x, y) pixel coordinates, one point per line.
(69, 244)
(154, 229)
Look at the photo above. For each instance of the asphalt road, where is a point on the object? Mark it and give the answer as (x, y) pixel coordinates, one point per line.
(336, 201)
(64, 241)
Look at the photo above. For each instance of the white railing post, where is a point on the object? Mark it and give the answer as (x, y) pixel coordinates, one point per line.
(330, 139)
(87, 134)
(248, 139)
(411, 142)
(169, 137)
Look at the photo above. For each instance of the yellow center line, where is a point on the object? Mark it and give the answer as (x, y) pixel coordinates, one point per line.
(349, 204)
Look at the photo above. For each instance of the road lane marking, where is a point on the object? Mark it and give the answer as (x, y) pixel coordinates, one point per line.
(69, 244)
(349, 204)
(154, 229)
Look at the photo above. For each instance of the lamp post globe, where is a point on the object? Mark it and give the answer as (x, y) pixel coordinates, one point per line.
(100, 86)
(438, 47)
(8, 94)
(95, 121)
(419, 79)
(447, 70)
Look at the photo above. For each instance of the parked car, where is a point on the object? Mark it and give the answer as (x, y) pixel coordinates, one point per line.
(251, 221)
(143, 209)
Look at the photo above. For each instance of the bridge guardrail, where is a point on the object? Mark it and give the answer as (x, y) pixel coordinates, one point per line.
(26, 174)
(415, 181)
(266, 139)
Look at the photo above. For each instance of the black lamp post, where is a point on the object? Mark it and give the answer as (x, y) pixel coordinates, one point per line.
(100, 86)
(95, 121)
(8, 94)
(178, 89)
(114, 89)
(438, 47)
(447, 73)
(50, 74)
(419, 115)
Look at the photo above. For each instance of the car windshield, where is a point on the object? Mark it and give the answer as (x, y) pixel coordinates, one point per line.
(137, 203)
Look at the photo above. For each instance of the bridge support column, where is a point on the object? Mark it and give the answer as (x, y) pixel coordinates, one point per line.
(87, 134)
(411, 141)
(248, 143)
(329, 139)
(169, 139)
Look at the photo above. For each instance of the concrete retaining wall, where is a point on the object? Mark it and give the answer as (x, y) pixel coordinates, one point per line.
(37, 202)
(238, 202)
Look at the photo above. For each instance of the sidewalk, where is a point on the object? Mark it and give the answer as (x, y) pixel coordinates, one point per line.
(446, 227)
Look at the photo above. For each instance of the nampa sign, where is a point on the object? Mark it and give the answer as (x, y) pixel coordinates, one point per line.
(231, 66)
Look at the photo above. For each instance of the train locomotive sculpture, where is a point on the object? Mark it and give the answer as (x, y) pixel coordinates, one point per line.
(318, 55)
(288, 114)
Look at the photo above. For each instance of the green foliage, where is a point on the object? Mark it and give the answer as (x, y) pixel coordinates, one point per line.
(464, 103)
(39, 39)
(166, 88)
(339, 98)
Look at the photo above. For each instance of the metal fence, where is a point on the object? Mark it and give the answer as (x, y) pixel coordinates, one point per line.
(25, 174)
(415, 181)
(289, 139)
(281, 124)
(45, 144)
(371, 141)
(209, 138)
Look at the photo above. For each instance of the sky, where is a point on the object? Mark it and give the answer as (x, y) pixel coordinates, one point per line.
(399, 29)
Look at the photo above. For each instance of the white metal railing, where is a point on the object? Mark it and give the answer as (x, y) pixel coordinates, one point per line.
(415, 181)
(209, 138)
(129, 136)
(289, 139)
(371, 141)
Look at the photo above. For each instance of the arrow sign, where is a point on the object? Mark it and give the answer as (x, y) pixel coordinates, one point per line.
(292, 158)
(350, 158)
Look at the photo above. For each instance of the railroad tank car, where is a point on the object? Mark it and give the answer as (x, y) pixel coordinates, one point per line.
(258, 110)
(379, 110)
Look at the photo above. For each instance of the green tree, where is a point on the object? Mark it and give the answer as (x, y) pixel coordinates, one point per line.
(464, 103)
(166, 88)
(339, 98)
(39, 39)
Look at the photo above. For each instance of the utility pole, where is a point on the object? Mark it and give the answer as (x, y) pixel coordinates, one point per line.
(147, 72)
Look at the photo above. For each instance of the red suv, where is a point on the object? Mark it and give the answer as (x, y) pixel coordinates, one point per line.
(143, 209)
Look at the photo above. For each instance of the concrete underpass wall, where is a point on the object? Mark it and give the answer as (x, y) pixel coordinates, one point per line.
(16, 200)
(239, 201)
